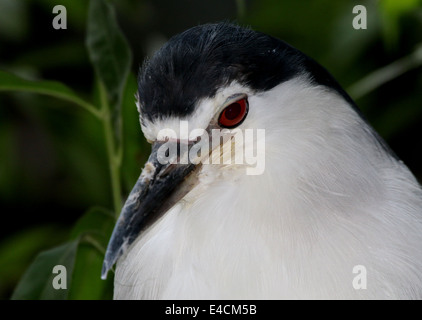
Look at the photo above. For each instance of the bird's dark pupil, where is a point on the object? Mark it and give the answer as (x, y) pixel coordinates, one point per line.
(232, 111)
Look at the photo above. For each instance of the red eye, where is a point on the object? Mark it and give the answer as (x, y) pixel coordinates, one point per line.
(234, 114)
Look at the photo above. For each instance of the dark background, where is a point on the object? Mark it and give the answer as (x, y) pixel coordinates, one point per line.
(53, 164)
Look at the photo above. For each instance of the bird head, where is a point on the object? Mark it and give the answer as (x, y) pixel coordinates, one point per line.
(224, 79)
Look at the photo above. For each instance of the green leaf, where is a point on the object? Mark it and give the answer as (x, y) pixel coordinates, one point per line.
(11, 82)
(37, 282)
(86, 278)
(18, 250)
(82, 256)
(94, 230)
(111, 57)
(96, 222)
(108, 50)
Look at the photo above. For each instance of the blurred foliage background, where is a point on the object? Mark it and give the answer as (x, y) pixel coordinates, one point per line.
(54, 163)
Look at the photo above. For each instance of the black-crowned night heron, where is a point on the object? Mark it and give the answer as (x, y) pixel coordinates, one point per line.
(324, 200)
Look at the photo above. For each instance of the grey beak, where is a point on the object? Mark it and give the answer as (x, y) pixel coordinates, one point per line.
(158, 188)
